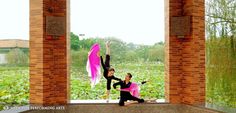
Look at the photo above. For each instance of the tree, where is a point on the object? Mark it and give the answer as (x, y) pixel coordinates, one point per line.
(156, 52)
(17, 57)
(74, 41)
(221, 50)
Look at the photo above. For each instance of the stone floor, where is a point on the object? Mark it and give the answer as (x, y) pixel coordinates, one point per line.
(101, 106)
(131, 108)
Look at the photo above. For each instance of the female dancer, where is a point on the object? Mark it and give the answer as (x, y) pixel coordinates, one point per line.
(108, 72)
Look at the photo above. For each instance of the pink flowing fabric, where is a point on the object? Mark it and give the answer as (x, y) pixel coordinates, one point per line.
(133, 89)
(93, 64)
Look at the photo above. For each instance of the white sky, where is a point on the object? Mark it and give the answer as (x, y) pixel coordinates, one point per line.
(137, 21)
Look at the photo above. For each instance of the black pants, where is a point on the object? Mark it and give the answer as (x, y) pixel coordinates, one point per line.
(128, 96)
(107, 61)
(107, 64)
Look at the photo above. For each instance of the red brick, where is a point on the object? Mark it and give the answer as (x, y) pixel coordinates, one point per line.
(49, 59)
(185, 58)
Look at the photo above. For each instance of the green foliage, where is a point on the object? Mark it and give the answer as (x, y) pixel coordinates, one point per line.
(14, 82)
(221, 52)
(74, 41)
(17, 57)
(14, 86)
(79, 58)
(153, 72)
(221, 71)
(156, 53)
(122, 51)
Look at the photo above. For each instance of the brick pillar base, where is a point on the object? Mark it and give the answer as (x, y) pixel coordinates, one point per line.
(185, 58)
(49, 51)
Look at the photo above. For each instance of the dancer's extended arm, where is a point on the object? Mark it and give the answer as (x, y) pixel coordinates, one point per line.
(115, 78)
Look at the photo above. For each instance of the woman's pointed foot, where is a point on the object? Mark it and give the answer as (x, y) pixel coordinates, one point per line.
(107, 100)
(108, 44)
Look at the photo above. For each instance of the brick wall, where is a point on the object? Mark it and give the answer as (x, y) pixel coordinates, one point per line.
(49, 59)
(185, 58)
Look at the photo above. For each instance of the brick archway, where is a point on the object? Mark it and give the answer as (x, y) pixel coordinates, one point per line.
(49, 52)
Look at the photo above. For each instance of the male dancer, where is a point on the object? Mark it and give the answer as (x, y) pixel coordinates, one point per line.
(125, 95)
(108, 71)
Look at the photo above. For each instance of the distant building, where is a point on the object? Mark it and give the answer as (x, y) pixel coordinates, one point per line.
(7, 44)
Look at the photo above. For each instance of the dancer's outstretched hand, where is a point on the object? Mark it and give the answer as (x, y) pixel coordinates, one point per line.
(143, 82)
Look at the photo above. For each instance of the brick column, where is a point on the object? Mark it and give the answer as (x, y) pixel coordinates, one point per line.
(49, 53)
(185, 58)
